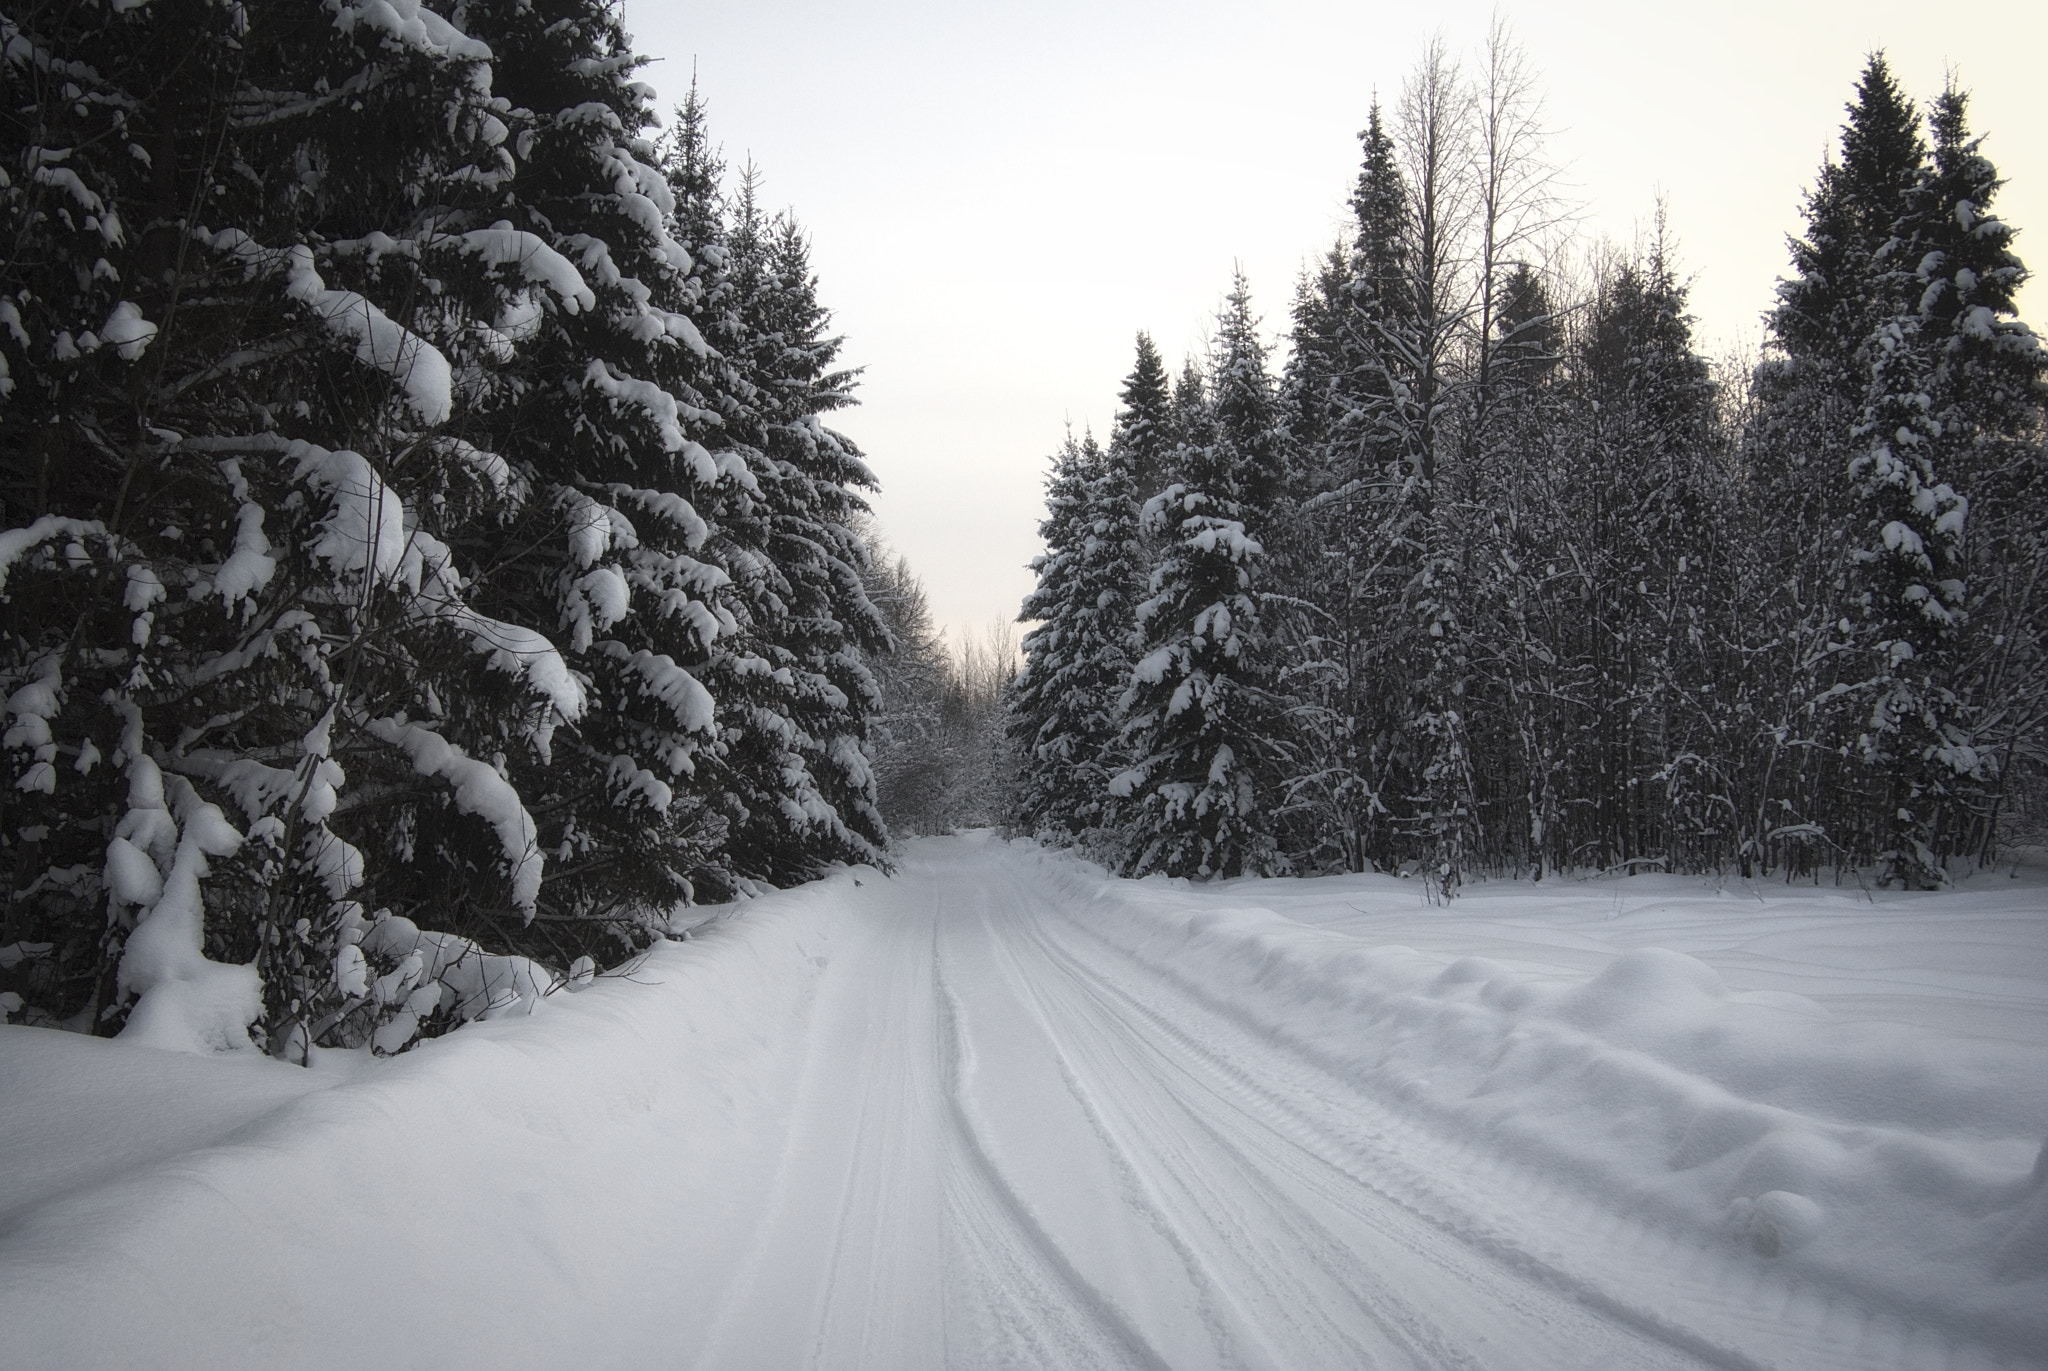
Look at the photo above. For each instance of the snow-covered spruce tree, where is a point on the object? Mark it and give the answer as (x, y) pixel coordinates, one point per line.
(1053, 719)
(1065, 711)
(1347, 661)
(593, 408)
(1114, 562)
(912, 764)
(1201, 720)
(761, 777)
(1310, 381)
(1404, 698)
(1960, 275)
(756, 776)
(1985, 372)
(1948, 378)
(1528, 472)
(1190, 417)
(1145, 425)
(231, 491)
(1909, 575)
(1805, 809)
(812, 621)
(1141, 447)
(1318, 806)
(1828, 307)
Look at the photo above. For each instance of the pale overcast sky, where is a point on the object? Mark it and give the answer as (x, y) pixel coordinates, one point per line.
(1002, 195)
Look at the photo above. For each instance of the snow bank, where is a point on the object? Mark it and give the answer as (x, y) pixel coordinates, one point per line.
(500, 1196)
(431, 972)
(84, 1111)
(1899, 1162)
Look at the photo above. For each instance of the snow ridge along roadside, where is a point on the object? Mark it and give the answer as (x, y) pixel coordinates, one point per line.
(1877, 1174)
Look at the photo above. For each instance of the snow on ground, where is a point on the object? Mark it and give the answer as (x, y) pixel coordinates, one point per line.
(999, 1110)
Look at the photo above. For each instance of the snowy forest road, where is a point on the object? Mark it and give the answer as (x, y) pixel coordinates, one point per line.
(996, 1110)
(1016, 1147)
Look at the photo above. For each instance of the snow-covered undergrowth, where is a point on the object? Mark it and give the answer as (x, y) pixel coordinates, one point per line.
(1854, 1083)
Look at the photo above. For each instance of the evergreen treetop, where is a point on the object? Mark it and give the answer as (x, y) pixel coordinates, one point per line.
(1826, 308)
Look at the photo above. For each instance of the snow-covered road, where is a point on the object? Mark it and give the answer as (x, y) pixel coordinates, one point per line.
(1013, 1146)
(998, 1111)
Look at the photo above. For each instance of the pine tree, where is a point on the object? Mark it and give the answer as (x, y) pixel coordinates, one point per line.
(1989, 396)
(1145, 425)
(812, 796)
(1645, 489)
(1810, 395)
(1315, 377)
(1908, 570)
(598, 414)
(1054, 718)
(362, 459)
(1952, 379)
(1829, 306)
(941, 757)
(1201, 720)
(912, 768)
(755, 778)
(1348, 663)
(1065, 710)
(235, 479)
(1528, 469)
(1190, 419)
(1962, 275)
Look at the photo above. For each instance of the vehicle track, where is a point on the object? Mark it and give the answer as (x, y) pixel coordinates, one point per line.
(1013, 1144)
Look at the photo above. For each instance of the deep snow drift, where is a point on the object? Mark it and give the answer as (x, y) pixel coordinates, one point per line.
(999, 1110)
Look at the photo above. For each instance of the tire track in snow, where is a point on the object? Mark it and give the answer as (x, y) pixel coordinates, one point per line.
(853, 1219)
(1110, 1325)
(1638, 1266)
(1014, 1144)
(1273, 1182)
(1242, 1098)
(1111, 1111)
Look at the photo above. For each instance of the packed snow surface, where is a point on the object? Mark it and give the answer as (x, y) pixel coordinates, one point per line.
(999, 1110)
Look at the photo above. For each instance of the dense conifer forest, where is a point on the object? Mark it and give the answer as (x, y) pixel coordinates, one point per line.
(427, 556)
(1495, 572)
(429, 560)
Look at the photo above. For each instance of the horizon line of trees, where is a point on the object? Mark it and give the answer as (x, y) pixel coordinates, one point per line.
(1498, 574)
(422, 539)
